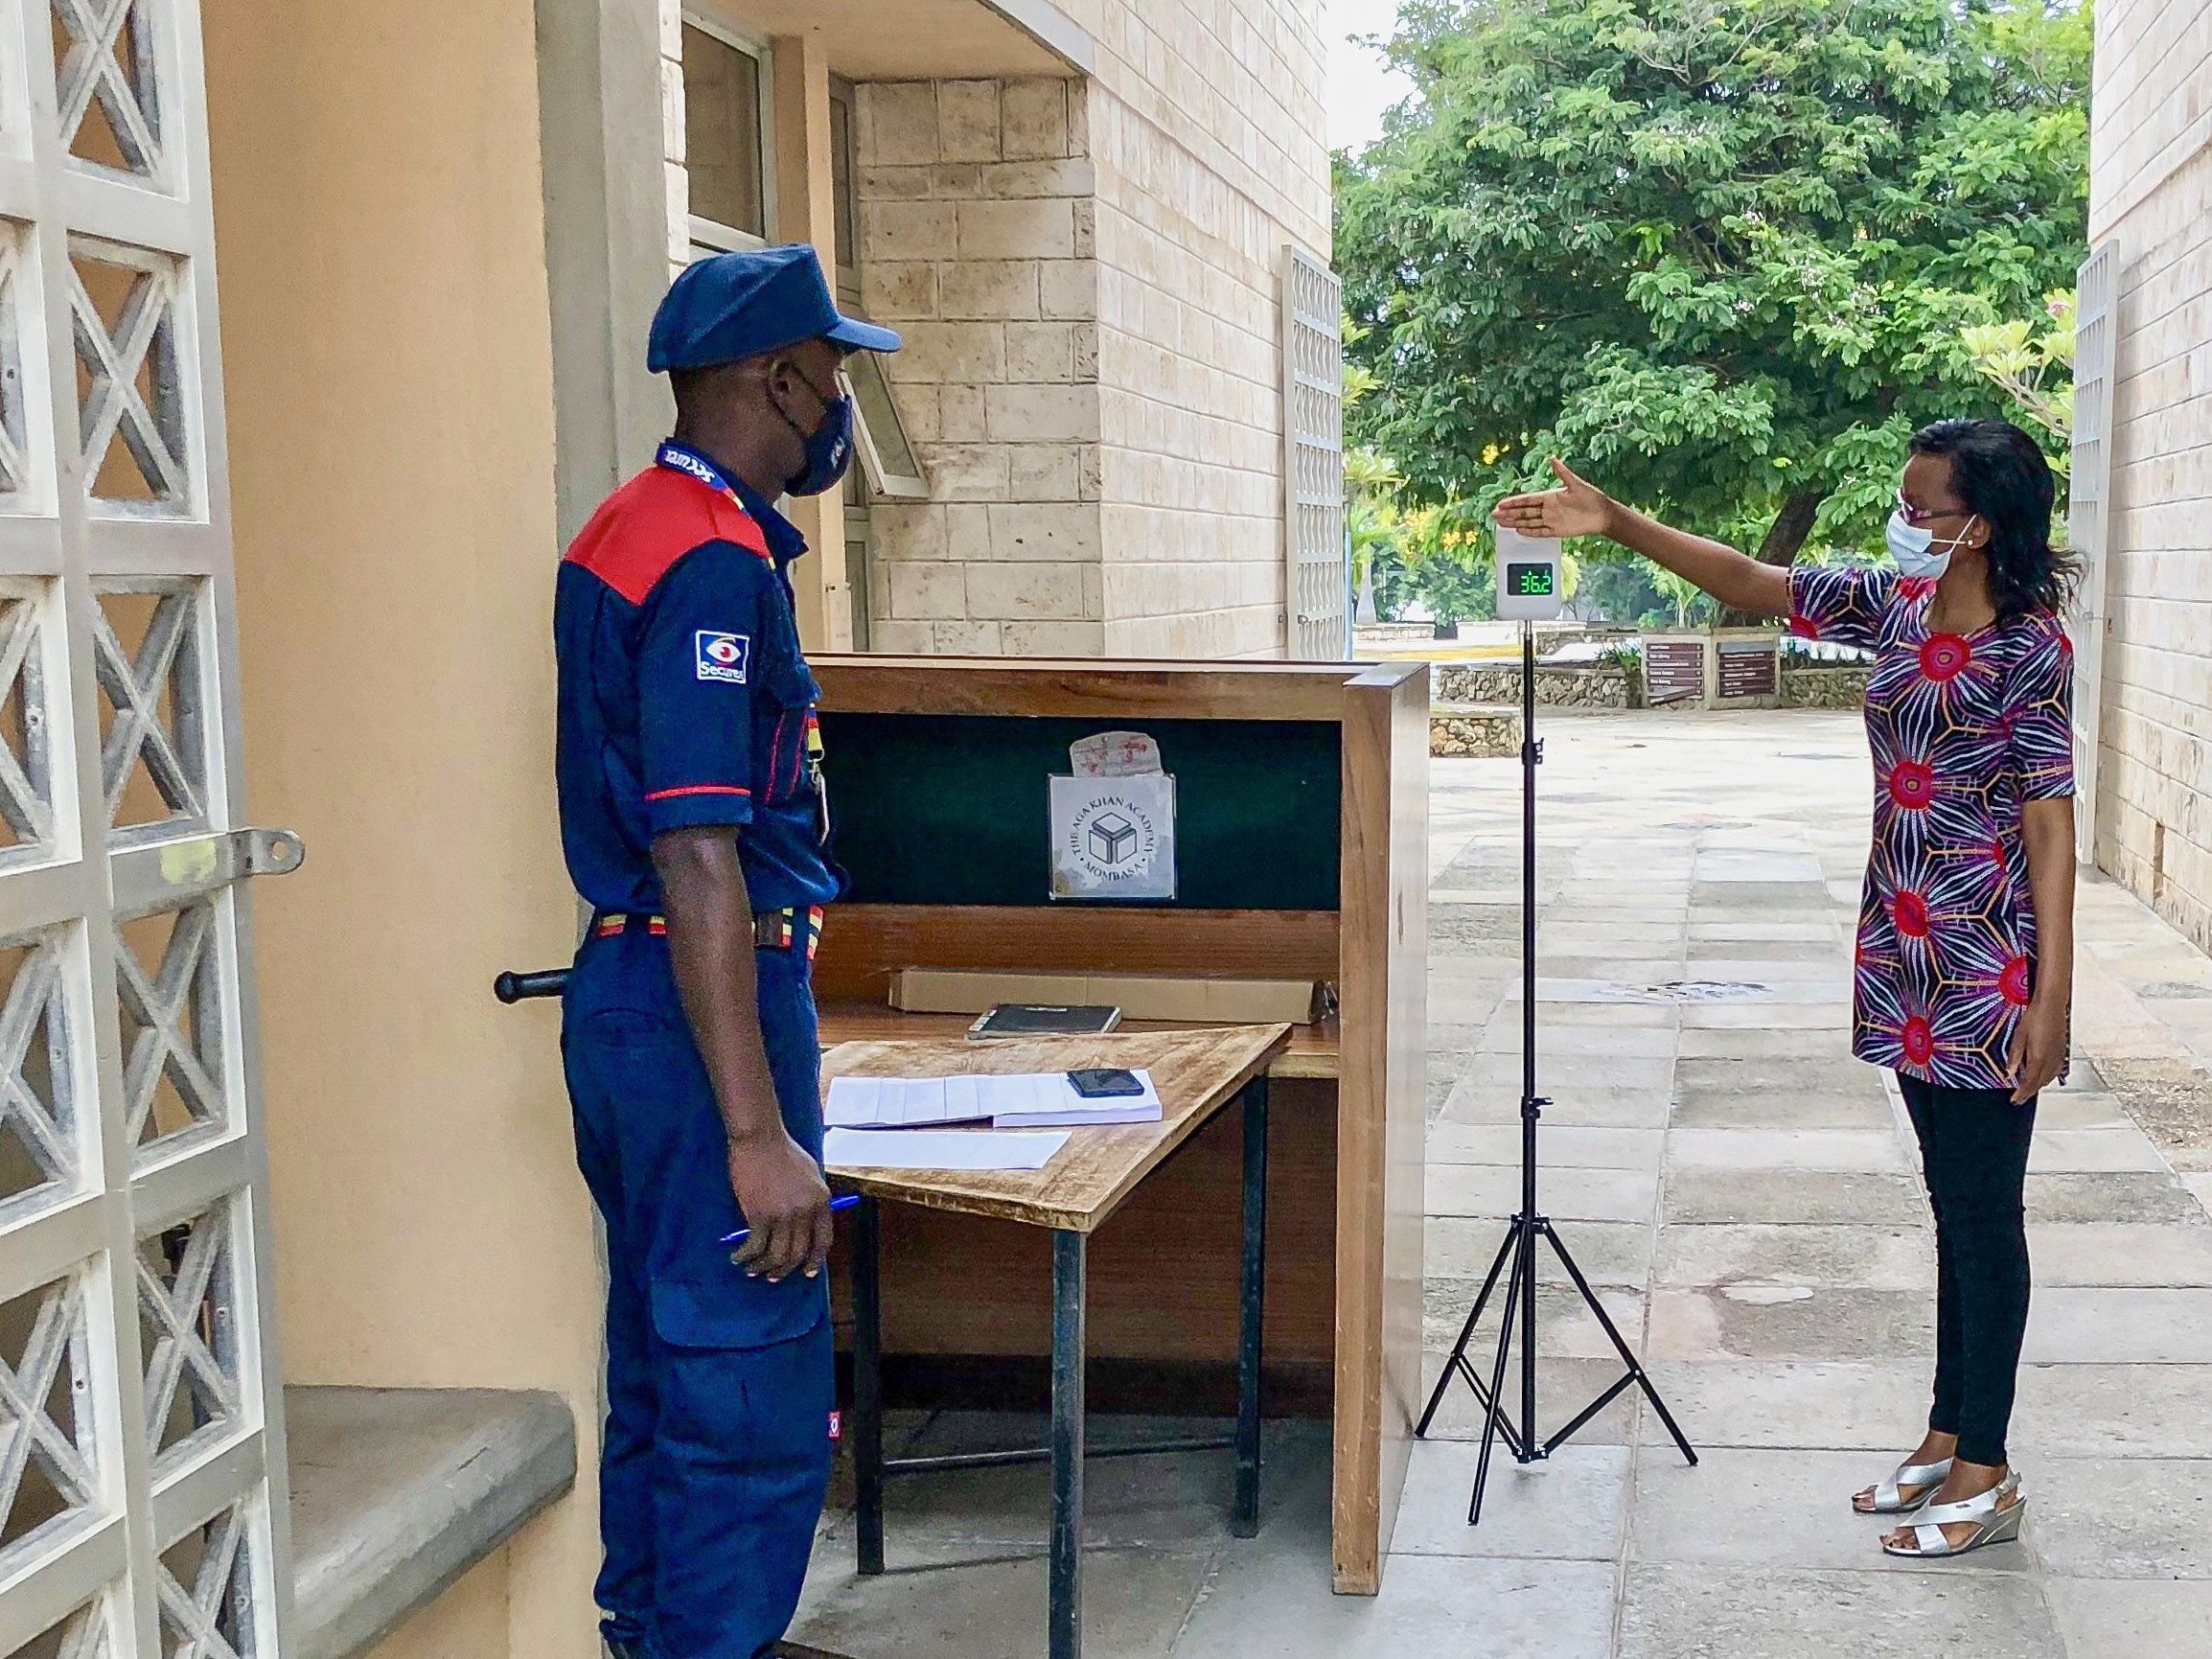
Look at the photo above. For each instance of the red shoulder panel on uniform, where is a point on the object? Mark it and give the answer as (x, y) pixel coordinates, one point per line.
(642, 529)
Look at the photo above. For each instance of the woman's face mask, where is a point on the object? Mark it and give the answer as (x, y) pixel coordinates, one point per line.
(1913, 546)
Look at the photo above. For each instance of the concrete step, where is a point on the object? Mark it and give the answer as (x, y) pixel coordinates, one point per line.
(397, 1492)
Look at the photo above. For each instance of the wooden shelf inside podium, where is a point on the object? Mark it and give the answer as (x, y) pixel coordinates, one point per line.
(1302, 830)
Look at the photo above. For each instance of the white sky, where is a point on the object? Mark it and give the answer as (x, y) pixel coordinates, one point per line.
(1360, 88)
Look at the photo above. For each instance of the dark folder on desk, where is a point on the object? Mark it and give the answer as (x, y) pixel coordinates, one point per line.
(1043, 1019)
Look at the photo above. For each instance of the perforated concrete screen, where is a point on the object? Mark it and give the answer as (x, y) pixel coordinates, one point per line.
(138, 1428)
(1314, 576)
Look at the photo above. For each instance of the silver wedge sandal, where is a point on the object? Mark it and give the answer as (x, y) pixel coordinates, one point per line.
(1890, 1500)
(1996, 1515)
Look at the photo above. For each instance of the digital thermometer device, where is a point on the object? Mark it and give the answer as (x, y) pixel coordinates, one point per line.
(1531, 582)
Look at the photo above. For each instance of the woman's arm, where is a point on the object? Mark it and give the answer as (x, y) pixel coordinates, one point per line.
(2040, 1042)
(1579, 508)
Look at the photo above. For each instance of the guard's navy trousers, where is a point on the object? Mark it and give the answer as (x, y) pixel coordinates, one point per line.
(718, 1387)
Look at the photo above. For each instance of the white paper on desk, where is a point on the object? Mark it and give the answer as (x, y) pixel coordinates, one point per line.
(941, 1148)
(897, 1103)
(1053, 1103)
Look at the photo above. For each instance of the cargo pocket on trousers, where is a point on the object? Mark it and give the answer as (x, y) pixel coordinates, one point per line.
(737, 1311)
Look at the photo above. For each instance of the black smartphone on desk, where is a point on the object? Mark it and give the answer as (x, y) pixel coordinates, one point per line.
(1101, 1082)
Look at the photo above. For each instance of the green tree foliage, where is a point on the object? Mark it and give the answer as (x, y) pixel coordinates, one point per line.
(1718, 252)
(1624, 591)
(1373, 522)
(2034, 363)
(1376, 529)
(1445, 565)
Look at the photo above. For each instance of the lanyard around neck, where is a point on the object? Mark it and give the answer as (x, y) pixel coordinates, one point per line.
(683, 458)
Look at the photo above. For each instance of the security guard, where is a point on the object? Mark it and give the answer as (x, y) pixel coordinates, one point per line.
(692, 820)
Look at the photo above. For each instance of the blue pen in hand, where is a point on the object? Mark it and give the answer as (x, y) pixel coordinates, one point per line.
(842, 1201)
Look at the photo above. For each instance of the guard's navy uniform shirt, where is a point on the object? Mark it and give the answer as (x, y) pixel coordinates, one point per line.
(683, 698)
(683, 702)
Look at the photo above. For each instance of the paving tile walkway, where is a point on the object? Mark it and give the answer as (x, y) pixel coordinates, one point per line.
(1745, 1194)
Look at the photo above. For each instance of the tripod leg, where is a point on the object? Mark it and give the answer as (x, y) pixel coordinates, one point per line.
(1621, 1346)
(1459, 1359)
(1529, 1447)
(1524, 1240)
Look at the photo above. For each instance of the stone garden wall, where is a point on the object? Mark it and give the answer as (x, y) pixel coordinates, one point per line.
(1476, 708)
(1492, 732)
(1831, 686)
(1559, 685)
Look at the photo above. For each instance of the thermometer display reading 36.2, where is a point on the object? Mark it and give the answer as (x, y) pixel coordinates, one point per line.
(1529, 581)
(1531, 576)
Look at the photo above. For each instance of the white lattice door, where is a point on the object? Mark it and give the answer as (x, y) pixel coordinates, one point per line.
(1316, 575)
(142, 1498)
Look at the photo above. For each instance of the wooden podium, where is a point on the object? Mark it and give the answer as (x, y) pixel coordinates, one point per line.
(1302, 829)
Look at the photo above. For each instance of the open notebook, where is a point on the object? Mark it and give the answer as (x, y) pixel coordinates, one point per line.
(1021, 1100)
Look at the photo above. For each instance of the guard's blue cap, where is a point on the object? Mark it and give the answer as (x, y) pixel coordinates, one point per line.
(735, 305)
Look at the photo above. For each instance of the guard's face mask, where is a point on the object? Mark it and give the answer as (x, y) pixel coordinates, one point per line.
(829, 447)
(1913, 546)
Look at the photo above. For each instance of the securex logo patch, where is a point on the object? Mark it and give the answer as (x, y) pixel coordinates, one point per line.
(725, 656)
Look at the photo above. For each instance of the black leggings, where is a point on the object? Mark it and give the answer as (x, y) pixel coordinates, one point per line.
(1973, 1147)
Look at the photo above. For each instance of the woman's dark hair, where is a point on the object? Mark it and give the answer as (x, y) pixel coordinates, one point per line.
(1998, 471)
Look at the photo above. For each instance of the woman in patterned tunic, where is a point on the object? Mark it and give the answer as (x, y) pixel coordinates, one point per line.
(1965, 961)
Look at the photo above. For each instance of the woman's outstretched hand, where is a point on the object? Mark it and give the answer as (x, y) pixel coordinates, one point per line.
(1575, 508)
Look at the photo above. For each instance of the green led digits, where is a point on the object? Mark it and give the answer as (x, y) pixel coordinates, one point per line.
(1529, 581)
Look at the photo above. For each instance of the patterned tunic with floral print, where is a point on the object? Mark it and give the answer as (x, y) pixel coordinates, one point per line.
(1965, 728)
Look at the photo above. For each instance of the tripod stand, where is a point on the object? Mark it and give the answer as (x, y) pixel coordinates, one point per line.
(1527, 1228)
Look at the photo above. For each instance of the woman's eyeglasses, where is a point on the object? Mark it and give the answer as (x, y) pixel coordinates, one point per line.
(1914, 516)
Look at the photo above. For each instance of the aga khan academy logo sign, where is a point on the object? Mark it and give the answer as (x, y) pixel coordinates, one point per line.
(1113, 838)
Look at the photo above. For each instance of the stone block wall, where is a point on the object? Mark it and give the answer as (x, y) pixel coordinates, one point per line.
(1086, 274)
(976, 205)
(2150, 192)
(1208, 132)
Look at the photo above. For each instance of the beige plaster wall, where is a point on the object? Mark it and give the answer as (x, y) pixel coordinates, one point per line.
(388, 385)
(2150, 192)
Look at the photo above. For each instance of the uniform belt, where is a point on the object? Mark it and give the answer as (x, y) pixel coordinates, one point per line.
(771, 929)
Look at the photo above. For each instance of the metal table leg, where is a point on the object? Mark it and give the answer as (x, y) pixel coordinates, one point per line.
(1244, 1518)
(868, 1386)
(1065, 1586)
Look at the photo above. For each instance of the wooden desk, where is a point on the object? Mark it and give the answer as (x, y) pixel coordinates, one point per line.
(1301, 817)
(1196, 1073)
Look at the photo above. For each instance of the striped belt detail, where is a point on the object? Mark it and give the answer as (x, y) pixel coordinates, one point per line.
(771, 929)
(781, 929)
